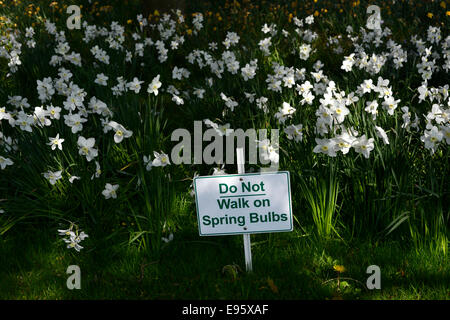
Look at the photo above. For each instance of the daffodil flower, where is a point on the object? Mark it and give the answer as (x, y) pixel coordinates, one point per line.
(154, 86)
(5, 162)
(161, 159)
(110, 191)
(87, 148)
(52, 177)
(120, 131)
(56, 142)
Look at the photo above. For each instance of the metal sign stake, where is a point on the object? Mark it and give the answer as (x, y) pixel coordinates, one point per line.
(247, 243)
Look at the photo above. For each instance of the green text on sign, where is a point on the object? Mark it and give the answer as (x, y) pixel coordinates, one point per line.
(244, 203)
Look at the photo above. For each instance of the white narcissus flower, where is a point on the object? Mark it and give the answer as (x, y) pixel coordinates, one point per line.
(446, 133)
(305, 51)
(264, 45)
(219, 171)
(177, 99)
(56, 142)
(168, 239)
(390, 104)
(101, 79)
(347, 64)
(437, 114)
(5, 162)
(382, 134)
(308, 98)
(261, 103)
(231, 39)
(98, 171)
(4, 114)
(224, 130)
(87, 148)
(81, 236)
(371, 107)
(432, 138)
(211, 124)
(147, 162)
(75, 122)
(364, 146)
(72, 102)
(73, 243)
(229, 102)
(221, 130)
(120, 131)
(325, 146)
(135, 85)
(274, 156)
(74, 237)
(212, 46)
(73, 178)
(250, 96)
(248, 72)
(367, 86)
(54, 112)
(154, 86)
(177, 73)
(343, 142)
(309, 19)
(268, 152)
(161, 159)
(199, 92)
(339, 112)
(110, 191)
(97, 106)
(25, 121)
(294, 132)
(265, 28)
(286, 111)
(66, 232)
(304, 87)
(52, 177)
(40, 117)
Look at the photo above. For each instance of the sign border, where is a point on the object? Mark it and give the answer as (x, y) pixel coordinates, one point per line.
(288, 176)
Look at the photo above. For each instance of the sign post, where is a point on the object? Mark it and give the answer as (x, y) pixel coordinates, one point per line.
(243, 203)
(247, 243)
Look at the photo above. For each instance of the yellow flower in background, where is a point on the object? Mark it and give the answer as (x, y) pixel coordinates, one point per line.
(189, 32)
(156, 13)
(429, 15)
(447, 13)
(129, 21)
(443, 4)
(339, 268)
(316, 13)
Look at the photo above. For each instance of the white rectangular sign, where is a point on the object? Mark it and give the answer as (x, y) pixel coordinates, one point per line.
(243, 203)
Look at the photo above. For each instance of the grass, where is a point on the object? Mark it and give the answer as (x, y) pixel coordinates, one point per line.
(286, 266)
